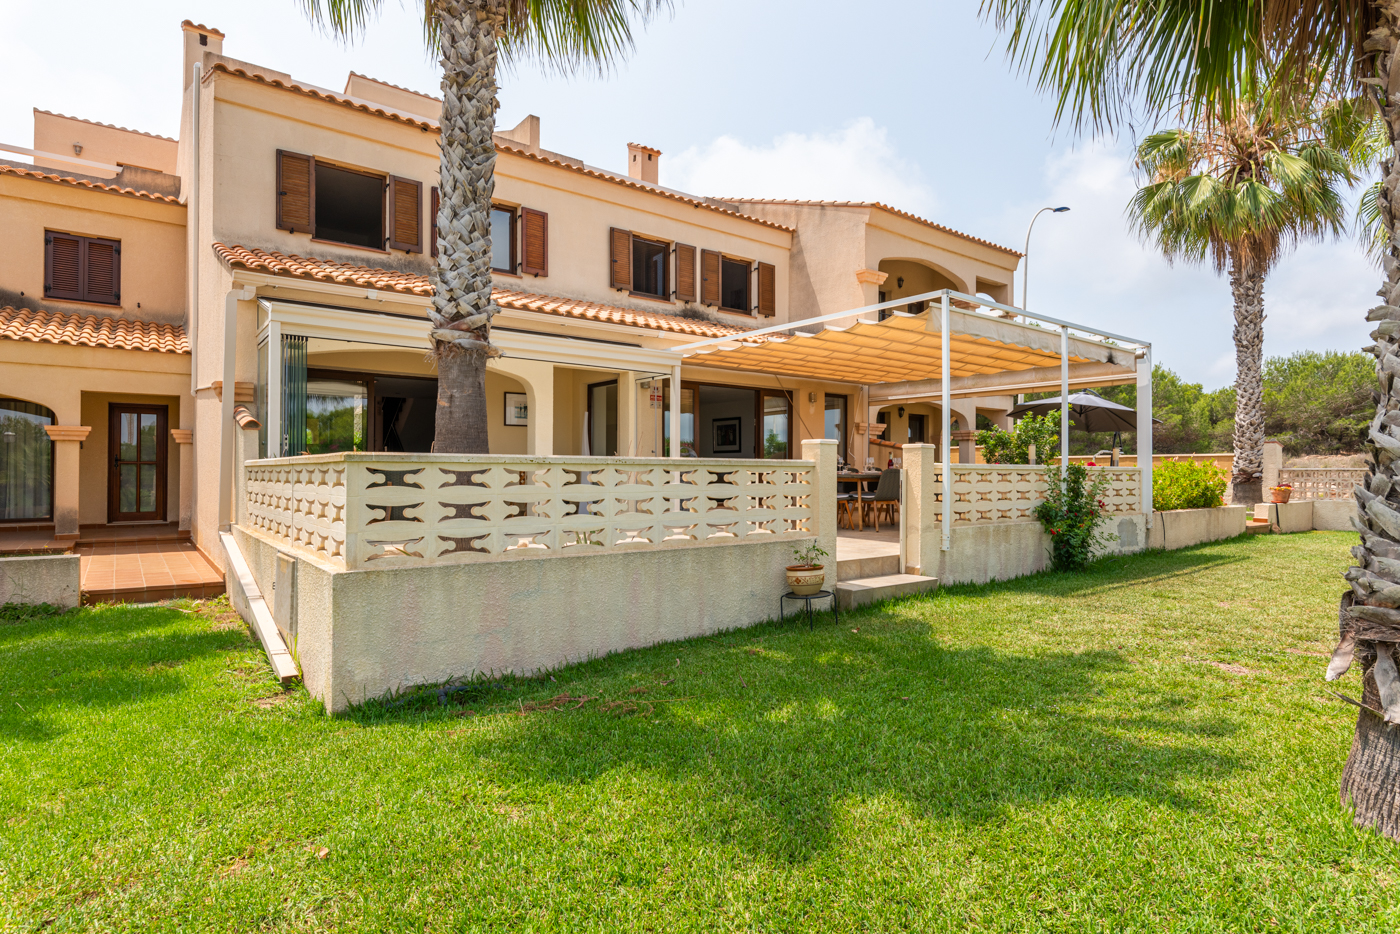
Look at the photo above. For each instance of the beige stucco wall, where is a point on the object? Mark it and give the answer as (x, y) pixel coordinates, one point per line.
(114, 145)
(152, 236)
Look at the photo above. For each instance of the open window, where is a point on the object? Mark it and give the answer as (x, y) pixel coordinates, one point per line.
(734, 286)
(349, 206)
(504, 236)
(649, 267)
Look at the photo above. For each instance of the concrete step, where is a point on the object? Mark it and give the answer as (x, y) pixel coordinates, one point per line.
(853, 593)
(1258, 527)
(849, 569)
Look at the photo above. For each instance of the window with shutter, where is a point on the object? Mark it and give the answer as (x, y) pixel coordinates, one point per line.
(296, 192)
(535, 260)
(405, 214)
(767, 289)
(620, 246)
(685, 273)
(709, 277)
(63, 266)
(82, 269)
(433, 213)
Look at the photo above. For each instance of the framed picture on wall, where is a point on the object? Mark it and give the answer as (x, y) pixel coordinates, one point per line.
(517, 409)
(727, 435)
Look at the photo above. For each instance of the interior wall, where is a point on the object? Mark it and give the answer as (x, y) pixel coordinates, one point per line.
(724, 402)
(503, 438)
(95, 457)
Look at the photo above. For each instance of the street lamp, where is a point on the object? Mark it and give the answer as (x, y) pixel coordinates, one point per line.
(1026, 255)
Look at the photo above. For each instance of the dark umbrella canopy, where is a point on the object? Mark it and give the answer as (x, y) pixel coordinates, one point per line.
(1088, 411)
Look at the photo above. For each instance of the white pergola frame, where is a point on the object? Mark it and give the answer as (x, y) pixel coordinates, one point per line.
(945, 298)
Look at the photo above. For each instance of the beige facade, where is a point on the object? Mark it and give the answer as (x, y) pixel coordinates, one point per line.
(334, 304)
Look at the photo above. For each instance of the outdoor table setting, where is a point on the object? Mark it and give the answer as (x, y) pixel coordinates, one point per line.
(858, 478)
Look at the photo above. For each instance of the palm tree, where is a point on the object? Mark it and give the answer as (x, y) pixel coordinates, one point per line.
(1242, 191)
(470, 35)
(1105, 58)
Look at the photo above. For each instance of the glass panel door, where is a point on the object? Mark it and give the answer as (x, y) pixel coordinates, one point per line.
(688, 393)
(136, 438)
(836, 424)
(337, 416)
(602, 419)
(26, 461)
(776, 417)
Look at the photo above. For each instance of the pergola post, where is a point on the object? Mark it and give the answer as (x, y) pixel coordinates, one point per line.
(947, 443)
(1064, 397)
(676, 411)
(1144, 428)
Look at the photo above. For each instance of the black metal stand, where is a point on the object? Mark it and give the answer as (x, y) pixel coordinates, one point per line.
(807, 599)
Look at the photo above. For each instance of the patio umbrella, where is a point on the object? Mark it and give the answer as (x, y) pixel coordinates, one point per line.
(1088, 411)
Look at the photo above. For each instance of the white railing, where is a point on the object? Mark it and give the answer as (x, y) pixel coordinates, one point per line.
(1321, 482)
(989, 493)
(380, 511)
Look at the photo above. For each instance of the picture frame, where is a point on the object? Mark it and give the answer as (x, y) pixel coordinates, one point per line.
(517, 409)
(727, 435)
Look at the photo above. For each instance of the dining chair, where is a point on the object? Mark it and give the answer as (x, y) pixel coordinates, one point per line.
(885, 498)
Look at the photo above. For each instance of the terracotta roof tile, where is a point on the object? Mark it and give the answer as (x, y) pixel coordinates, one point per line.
(55, 327)
(397, 87)
(881, 206)
(84, 183)
(321, 270)
(320, 94)
(200, 27)
(110, 126)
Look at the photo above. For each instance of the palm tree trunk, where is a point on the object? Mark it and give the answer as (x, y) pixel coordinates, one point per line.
(462, 304)
(1247, 286)
(1369, 622)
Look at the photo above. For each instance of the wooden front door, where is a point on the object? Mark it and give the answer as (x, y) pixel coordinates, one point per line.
(136, 438)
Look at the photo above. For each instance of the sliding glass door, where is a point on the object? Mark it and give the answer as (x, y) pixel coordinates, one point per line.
(26, 462)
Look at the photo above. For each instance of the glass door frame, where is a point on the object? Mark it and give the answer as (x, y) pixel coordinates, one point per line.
(760, 440)
(162, 461)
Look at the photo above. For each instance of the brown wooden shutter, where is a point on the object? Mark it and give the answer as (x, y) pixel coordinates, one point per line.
(432, 240)
(621, 245)
(709, 277)
(296, 192)
(685, 273)
(767, 289)
(405, 214)
(103, 266)
(535, 248)
(63, 276)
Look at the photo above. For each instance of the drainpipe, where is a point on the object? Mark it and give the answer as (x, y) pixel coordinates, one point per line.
(192, 220)
(226, 426)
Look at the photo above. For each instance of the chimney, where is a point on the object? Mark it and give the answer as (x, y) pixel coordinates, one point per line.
(526, 132)
(198, 40)
(643, 163)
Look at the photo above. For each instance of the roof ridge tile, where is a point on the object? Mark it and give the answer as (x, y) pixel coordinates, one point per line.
(875, 204)
(110, 126)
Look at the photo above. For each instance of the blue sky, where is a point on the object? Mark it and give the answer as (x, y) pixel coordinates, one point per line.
(907, 102)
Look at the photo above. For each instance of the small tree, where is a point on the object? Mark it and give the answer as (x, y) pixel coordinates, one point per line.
(1072, 513)
(1013, 447)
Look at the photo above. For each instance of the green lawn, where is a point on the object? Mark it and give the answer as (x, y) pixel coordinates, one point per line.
(1144, 747)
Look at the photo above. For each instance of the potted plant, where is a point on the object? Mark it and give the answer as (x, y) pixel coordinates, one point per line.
(1280, 493)
(806, 576)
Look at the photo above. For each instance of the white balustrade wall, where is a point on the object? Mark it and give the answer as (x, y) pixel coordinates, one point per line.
(990, 493)
(359, 510)
(1321, 482)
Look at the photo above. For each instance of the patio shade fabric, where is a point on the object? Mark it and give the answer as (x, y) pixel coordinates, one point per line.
(905, 347)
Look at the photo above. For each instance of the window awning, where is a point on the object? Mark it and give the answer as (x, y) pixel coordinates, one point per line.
(905, 347)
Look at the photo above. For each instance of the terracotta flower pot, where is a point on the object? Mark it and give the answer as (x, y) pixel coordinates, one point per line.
(1280, 494)
(805, 579)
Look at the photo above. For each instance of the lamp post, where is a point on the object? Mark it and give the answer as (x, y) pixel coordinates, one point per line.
(1026, 254)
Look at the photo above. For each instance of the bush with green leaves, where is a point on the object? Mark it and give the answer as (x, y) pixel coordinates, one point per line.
(1188, 485)
(1013, 447)
(1072, 512)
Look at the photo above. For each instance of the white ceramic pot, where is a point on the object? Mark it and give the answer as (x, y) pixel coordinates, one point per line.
(804, 579)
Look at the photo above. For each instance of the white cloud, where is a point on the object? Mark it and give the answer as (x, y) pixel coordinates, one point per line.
(856, 163)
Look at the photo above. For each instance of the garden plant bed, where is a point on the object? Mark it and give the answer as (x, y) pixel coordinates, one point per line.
(1147, 746)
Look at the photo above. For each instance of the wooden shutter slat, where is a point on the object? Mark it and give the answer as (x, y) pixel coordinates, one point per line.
(63, 266)
(405, 218)
(685, 272)
(621, 247)
(296, 192)
(102, 265)
(709, 277)
(535, 250)
(436, 203)
(767, 289)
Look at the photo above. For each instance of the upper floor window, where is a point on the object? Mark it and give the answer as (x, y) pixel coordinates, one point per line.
(349, 206)
(82, 269)
(734, 286)
(503, 238)
(649, 268)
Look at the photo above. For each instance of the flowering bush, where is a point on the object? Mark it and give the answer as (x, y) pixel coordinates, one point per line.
(1072, 513)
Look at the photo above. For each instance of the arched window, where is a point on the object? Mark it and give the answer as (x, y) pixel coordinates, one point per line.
(26, 461)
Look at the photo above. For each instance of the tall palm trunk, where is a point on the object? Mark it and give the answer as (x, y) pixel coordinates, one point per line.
(1369, 620)
(462, 305)
(1247, 287)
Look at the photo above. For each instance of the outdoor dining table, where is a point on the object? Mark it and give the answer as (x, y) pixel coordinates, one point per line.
(860, 478)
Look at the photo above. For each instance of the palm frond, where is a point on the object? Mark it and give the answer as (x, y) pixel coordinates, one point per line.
(1370, 223)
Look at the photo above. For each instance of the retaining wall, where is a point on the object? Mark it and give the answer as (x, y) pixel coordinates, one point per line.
(34, 579)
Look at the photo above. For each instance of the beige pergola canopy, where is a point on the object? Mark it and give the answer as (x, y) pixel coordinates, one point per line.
(905, 348)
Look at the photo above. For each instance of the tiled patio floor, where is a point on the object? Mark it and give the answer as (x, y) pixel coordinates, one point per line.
(141, 572)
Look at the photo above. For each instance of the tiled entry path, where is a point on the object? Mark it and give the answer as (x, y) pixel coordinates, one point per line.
(144, 571)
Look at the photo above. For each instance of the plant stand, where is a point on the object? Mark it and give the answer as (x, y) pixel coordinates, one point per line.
(807, 599)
